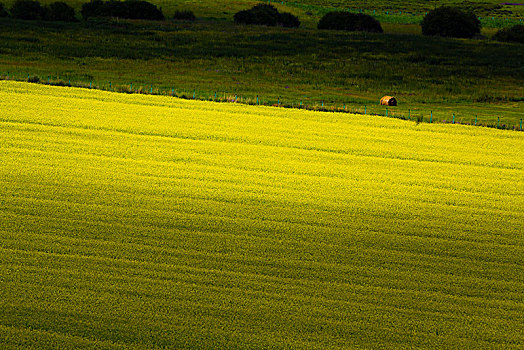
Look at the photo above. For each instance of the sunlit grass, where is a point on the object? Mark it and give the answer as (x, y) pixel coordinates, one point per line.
(131, 221)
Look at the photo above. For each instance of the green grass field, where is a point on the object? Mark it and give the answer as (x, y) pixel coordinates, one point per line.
(467, 78)
(144, 222)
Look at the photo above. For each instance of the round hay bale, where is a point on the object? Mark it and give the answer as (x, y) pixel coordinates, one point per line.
(388, 101)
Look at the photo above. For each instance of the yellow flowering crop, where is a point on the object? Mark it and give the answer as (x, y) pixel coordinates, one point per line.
(134, 221)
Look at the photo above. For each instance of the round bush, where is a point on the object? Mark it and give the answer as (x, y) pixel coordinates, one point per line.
(113, 8)
(515, 34)
(132, 9)
(3, 11)
(450, 22)
(92, 8)
(142, 10)
(28, 9)
(340, 20)
(60, 11)
(288, 20)
(261, 14)
(184, 16)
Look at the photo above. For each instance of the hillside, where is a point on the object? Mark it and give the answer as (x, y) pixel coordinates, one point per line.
(143, 222)
(471, 79)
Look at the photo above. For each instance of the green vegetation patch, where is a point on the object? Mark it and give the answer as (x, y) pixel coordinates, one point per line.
(469, 78)
(493, 13)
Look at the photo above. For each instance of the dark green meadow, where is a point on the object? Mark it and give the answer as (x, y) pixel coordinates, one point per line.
(470, 79)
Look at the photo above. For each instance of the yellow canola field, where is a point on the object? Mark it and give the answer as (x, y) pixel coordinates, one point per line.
(137, 221)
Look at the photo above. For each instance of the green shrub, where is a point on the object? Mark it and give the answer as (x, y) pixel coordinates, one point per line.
(28, 9)
(91, 9)
(184, 16)
(268, 15)
(515, 34)
(261, 14)
(60, 11)
(450, 22)
(289, 21)
(341, 20)
(3, 11)
(244, 17)
(137, 9)
(132, 9)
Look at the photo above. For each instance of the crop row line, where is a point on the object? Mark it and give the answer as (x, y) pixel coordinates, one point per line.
(21, 208)
(184, 273)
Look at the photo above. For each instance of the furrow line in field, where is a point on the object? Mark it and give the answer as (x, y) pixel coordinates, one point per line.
(325, 313)
(160, 214)
(456, 200)
(272, 339)
(259, 277)
(158, 235)
(282, 231)
(186, 287)
(23, 336)
(368, 279)
(260, 142)
(433, 179)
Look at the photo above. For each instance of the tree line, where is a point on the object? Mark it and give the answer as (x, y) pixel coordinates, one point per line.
(444, 21)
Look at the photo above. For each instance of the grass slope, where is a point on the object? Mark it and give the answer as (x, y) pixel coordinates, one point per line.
(468, 78)
(144, 222)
